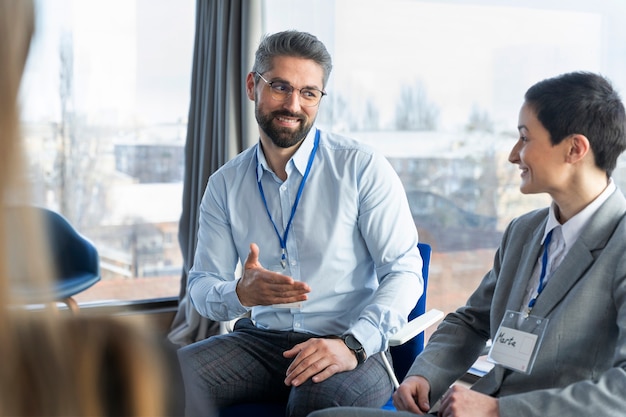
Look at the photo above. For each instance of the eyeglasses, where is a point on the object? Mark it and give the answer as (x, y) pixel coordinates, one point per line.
(281, 91)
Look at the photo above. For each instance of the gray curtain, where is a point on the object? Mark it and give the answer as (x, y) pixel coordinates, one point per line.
(221, 124)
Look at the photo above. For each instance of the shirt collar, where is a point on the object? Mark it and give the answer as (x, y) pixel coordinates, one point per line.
(572, 228)
(300, 159)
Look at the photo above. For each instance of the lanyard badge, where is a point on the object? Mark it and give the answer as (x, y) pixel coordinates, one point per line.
(517, 341)
(520, 334)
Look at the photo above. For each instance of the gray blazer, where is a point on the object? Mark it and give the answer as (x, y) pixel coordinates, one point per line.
(580, 369)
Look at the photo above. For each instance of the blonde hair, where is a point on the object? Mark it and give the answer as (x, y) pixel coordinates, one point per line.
(107, 367)
(16, 29)
(53, 364)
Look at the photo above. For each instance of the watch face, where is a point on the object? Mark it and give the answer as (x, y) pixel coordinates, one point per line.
(352, 343)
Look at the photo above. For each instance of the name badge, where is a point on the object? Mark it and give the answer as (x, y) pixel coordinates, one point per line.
(283, 270)
(517, 341)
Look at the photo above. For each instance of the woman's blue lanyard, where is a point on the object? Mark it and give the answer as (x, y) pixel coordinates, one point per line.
(544, 267)
(283, 239)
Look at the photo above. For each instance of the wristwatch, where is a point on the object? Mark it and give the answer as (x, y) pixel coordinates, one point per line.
(356, 347)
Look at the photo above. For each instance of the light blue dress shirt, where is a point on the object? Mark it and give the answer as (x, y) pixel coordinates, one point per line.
(352, 240)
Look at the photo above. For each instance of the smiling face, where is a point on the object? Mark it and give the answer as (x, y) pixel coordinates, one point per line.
(286, 123)
(543, 165)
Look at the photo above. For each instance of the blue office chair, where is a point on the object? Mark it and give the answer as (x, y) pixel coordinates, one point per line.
(74, 258)
(404, 347)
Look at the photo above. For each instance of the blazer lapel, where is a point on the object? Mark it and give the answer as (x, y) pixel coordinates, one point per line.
(573, 267)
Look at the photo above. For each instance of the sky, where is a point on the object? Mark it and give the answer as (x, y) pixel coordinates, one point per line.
(465, 55)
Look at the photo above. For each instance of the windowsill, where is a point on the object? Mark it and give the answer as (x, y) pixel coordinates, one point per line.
(118, 307)
(156, 305)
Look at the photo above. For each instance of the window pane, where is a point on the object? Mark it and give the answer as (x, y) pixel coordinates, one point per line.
(437, 86)
(105, 101)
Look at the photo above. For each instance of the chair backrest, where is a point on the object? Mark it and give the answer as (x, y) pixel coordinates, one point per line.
(74, 258)
(404, 355)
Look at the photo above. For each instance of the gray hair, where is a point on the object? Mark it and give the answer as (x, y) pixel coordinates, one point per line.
(295, 44)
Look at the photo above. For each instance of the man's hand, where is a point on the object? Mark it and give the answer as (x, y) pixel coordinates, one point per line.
(261, 287)
(412, 395)
(462, 402)
(318, 359)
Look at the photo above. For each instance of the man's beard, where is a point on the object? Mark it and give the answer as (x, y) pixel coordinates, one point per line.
(282, 137)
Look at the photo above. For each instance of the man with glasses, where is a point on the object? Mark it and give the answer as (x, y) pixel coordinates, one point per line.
(323, 231)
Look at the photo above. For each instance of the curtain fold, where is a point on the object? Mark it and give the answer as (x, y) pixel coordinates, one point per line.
(220, 125)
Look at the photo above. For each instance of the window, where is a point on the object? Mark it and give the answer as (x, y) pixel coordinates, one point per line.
(437, 86)
(105, 100)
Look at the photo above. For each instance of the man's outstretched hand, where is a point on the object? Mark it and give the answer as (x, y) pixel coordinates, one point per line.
(261, 287)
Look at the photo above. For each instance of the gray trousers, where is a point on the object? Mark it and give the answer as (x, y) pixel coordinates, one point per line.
(247, 366)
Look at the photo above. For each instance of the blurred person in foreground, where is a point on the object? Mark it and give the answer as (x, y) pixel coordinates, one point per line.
(322, 227)
(54, 364)
(554, 303)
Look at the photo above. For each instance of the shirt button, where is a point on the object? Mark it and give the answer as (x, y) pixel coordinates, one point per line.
(283, 188)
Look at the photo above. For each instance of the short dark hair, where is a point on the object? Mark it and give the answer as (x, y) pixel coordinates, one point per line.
(582, 103)
(292, 43)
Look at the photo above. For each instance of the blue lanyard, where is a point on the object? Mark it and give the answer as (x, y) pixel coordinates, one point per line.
(283, 239)
(544, 267)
